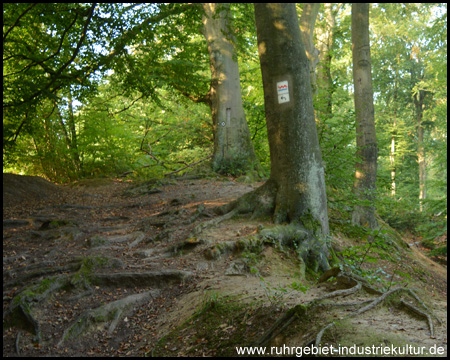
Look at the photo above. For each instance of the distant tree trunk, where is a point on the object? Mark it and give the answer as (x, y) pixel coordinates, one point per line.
(417, 75)
(418, 102)
(325, 36)
(392, 155)
(394, 131)
(307, 22)
(74, 140)
(295, 191)
(366, 142)
(232, 141)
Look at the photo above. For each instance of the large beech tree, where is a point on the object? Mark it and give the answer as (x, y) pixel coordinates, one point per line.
(295, 192)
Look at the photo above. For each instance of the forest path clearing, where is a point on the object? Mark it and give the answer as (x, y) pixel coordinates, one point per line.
(118, 259)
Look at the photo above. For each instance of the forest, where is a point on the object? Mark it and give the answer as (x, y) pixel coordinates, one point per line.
(329, 121)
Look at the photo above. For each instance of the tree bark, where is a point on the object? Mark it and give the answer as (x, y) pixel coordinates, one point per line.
(325, 36)
(296, 161)
(394, 130)
(74, 138)
(366, 166)
(232, 142)
(418, 103)
(417, 75)
(307, 22)
(295, 192)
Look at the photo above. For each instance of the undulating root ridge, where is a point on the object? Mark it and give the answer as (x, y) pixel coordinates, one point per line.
(312, 248)
(22, 310)
(357, 283)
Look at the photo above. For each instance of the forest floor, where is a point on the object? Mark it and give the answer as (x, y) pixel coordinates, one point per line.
(114, 268)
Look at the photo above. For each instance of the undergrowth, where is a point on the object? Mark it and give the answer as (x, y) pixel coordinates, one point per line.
(375, 248)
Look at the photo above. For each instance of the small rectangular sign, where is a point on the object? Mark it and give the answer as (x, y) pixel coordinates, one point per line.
(283, 91)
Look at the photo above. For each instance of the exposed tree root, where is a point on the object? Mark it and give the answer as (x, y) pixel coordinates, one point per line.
(20, 311)
(373, 304)
(208, 224)
(160, 278)
(281, 324)
(424, 306)
(260, 202)
(17, 344)
(303, 231)
(421, 314)
(200, 212)
(312, 250)
(298, 311)
(37, 270)
(344, 292)
(111, 312)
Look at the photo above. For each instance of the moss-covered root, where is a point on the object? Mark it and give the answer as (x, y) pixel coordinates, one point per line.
(310, 248)
(109, 313)
(208, 224)
(303, 232)
(20, 312)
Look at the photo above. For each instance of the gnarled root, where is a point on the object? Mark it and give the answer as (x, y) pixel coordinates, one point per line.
(355, 283)
(307, 240)
(259, 202)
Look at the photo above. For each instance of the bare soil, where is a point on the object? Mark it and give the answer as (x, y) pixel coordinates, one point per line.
(109, 240)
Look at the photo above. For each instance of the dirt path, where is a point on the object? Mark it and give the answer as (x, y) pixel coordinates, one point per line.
(131, 228)
(109, 269)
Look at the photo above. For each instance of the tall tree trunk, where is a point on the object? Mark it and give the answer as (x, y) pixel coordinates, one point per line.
(295, 191)
(307, 21)
(325, 36)
(366, 166)
(232, 141)
(417, 75)
(418, 102)
(392, 155)
(394, 130)
(296, 161)
(74, 138)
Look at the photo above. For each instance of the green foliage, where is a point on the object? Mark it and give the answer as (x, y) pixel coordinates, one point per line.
(374, 249)
(103, 90)
(235, 165)
(253, 102)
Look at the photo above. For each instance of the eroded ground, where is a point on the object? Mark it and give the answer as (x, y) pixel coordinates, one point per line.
(106, 268)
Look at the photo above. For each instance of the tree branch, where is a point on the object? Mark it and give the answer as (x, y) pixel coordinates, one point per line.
(188, 166)
(17, 21)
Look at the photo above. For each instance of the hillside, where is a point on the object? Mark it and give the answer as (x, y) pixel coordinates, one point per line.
(111, 268)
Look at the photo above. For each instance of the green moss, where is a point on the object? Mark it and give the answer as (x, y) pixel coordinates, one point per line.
(101, 316)
(310, 223)
(97, 240)
(76, 329)
(33, 291)
(87, 268)
(348, 229)
(299, 310)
